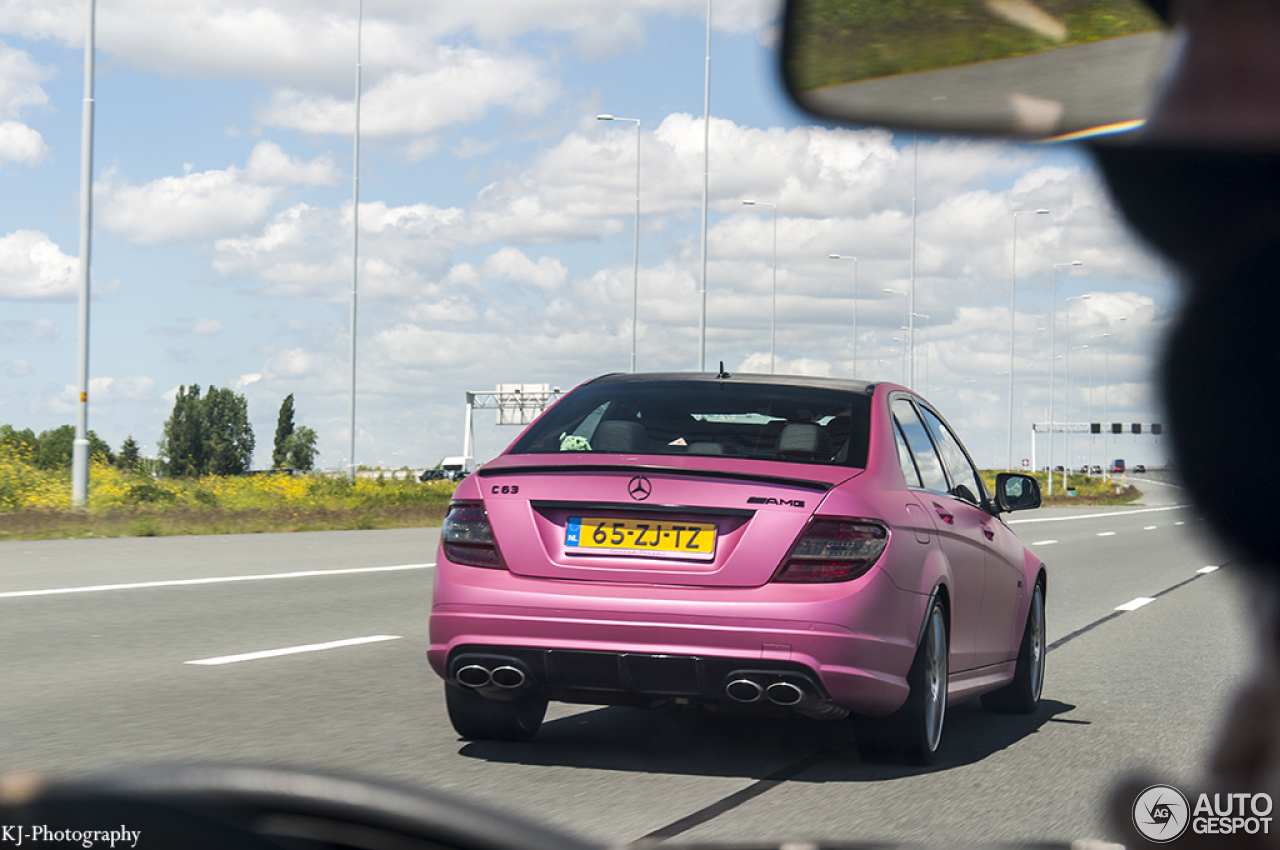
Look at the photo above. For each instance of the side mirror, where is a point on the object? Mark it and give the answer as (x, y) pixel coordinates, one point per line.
(1016, 492)
(999, 67)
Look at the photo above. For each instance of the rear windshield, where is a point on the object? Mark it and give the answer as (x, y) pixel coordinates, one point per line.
(744, 420)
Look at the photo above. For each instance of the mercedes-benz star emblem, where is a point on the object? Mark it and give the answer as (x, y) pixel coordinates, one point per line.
(639, 488)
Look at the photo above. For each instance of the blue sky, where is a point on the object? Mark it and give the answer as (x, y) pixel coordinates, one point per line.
(496, 223)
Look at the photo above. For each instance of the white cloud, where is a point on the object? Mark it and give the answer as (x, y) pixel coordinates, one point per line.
(103, 393)
(20, 143)
(306, 251)
(461, 87)
(547, 273)
(269, 164)
(18, 368)
(33, 268)
(298, 43)
(20, 77)
(206, 327)
(194, 207)
(202, 205)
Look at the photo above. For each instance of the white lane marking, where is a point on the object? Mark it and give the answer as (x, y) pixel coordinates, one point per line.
(1135, 604)
(1106, 534)
(1149, 528)
(291, 650)
(1096, 516)
(1204, 571)
(181, 582)
(1179, 522)
(1044, 543)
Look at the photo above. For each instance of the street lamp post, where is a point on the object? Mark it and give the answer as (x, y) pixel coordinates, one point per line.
(635, 263)
(1053, 355)
(1067, 438)
(1013, 317)
(925, 379)
(1066, 467)
(907, 327)
(355, 240)
(706, 187)
(80, 447)
(855, 306)
(1106, 386)
(773, 313)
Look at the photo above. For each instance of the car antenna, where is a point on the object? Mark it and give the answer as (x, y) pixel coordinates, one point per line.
(723, 374)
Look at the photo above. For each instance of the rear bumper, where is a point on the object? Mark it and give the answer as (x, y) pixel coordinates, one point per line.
(644, 645)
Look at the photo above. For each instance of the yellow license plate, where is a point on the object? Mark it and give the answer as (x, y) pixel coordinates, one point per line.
(636, 537)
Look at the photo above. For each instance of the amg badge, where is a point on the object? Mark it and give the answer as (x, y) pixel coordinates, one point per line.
(769, 500)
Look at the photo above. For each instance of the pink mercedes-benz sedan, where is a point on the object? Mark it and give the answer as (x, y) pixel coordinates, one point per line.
(743, 543)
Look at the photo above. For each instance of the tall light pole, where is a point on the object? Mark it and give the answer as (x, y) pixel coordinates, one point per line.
(80, 448)
(1106, 386)
(773, 316)
(1066, 467)
(1053, 356)
(911, 289)
(1013, 318)
(635, 263)
(355, 242)
(925, 380)
(1067, 438)
(907, 327)
(855, 306)
(706, 185)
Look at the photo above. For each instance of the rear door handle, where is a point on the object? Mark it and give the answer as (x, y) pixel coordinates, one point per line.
(988, 532)
(946, 517)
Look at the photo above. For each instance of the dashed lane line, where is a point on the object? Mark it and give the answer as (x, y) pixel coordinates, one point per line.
(1098, 516)
(186, 582)
(291, 650)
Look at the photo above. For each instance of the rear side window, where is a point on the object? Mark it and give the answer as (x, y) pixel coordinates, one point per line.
(968, 484)
(755, 421)
(926, 457)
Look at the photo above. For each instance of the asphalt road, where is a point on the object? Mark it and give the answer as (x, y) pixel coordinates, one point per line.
(101, 677)
(1094, 83)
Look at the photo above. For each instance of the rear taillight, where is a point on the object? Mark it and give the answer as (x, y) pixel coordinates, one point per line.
(834, 550)
(467, 537)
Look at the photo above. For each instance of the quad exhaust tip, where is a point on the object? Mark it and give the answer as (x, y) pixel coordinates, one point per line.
(474, 676)
(784, 693)
(507, 677)
(744, 690)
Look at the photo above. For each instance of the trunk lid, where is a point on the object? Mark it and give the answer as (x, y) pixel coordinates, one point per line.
(659, 520)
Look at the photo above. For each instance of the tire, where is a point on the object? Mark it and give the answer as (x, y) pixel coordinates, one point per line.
(1022, 695)
(481, 719)
(913, 733)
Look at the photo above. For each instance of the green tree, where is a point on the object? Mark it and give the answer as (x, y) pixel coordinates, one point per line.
(181, 445)
(20, 443)
(54, 448)
(130, 458)
(284, 430)
(228, 436)
(209, 435)
(300, 449)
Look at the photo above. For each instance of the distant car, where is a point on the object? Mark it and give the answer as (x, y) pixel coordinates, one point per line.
(1117, 466)
(1096, 469)
(749, 544)
(434, 475)
(1139, 468)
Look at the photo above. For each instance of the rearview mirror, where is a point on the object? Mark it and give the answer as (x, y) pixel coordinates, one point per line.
(995, 67)
(1016, 492)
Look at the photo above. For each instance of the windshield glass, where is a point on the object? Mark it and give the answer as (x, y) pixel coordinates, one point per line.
(752, 421)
